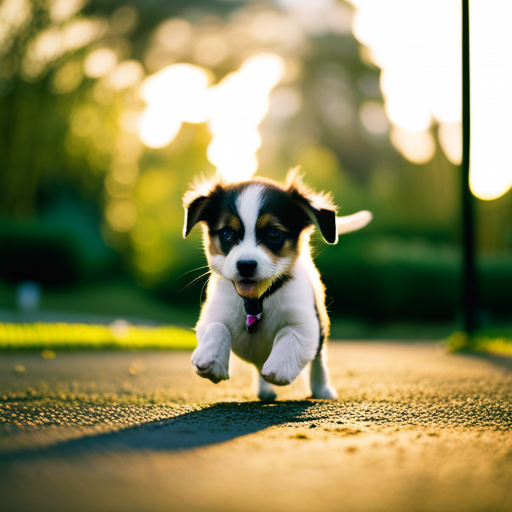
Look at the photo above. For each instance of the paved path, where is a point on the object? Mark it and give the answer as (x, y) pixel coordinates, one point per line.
(415, 429)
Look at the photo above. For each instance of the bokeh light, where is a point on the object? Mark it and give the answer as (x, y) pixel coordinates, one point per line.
(135, 101)
(418, 48)
(61, 10)
(125, 74)
(176, 94)
(14, 16)
(156, 129)
(99, 62)
(418, 147)
(491, 101)
(373, 118)
(239, 103)
(234, 108)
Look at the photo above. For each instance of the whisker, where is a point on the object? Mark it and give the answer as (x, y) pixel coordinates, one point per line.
(193, 270)
(204, 286)
(193, 281)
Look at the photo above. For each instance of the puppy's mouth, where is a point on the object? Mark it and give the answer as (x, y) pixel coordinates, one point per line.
(251, 289)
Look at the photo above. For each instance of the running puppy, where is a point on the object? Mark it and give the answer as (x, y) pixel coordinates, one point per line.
(265, 300)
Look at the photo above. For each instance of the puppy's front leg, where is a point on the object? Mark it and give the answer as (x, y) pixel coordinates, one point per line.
(292, 351)
(211, 357)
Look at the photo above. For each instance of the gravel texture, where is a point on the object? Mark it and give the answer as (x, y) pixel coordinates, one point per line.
(414, 429)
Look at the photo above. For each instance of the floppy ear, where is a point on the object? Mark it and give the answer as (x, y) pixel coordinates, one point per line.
(193, 213)
(326, 222)
(318, 207)
(197, 200)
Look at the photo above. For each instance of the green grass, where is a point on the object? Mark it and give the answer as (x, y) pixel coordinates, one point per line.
(496, 341)
(117, 336)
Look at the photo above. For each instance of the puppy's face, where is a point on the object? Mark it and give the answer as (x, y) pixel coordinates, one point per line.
(253, 230)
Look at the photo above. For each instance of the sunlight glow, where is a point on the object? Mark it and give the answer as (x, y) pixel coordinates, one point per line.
(174, 33)
(417, 147)
(125, 74)
(418, 48)
(234, 108)
(210, 50)
(61, 10)
(180, 91)
(450, 139)
(52, 43)
(238, 105)
(176, 94)
(156, 129)
(14, 15)
(491, 101)
(99, 62)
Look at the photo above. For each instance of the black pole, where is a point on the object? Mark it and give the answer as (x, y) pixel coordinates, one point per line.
(469, 288)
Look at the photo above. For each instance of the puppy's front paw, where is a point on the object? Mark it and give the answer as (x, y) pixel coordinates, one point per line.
(279, 375)
(210, 366)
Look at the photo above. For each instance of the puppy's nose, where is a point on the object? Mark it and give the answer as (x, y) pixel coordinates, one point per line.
(246, 268)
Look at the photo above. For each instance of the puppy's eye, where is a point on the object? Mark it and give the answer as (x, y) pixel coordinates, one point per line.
(275, 236)
(227, 235)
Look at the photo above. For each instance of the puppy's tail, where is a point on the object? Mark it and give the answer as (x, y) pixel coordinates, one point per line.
(353, 222)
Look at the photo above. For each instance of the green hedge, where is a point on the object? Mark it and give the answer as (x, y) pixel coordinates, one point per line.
(390, 278)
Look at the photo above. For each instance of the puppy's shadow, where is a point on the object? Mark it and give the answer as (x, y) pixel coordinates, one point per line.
(214, 424)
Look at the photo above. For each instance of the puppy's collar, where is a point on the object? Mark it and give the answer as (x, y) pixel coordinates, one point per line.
(254, 307)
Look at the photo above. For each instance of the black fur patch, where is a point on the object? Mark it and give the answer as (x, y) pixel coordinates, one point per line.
(255, 306)
(281, 205)
(323, 330)
(220, 202)
(227, 245)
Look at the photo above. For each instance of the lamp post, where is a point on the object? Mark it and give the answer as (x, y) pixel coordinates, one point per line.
(469, 287)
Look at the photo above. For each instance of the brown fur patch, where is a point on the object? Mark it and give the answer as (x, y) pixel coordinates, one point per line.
(228, 220)
(214, 245)
(290, 250)
(269, 219)
(234, 223)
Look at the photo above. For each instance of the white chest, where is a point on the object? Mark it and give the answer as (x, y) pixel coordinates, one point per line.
(256, 347)
(292, 305)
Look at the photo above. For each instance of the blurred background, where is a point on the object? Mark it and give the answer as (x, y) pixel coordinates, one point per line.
(109, 109)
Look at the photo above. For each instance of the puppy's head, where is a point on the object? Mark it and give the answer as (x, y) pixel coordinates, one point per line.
(254, 229)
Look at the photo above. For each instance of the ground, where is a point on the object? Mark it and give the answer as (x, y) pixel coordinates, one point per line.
(414, 429)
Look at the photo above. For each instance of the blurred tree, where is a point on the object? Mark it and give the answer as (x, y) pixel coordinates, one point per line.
(70, 110)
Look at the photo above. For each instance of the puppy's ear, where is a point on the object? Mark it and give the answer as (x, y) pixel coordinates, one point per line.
(193, 213)
(196, 201)
(318, 206)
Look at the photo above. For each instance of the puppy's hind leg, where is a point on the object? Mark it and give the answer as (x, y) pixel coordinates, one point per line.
(320, 384)
(266, 391)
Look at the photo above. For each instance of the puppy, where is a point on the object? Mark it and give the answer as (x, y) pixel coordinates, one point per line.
(265, 299)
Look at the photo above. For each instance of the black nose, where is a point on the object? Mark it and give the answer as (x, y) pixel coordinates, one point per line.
(246, 268)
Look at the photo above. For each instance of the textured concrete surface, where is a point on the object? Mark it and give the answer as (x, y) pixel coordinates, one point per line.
(415, 429)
